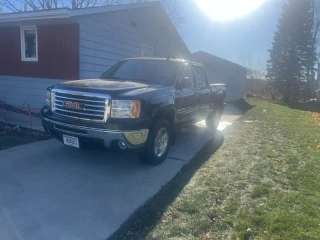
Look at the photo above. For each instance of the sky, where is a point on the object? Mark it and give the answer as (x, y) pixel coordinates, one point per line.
(252, 33)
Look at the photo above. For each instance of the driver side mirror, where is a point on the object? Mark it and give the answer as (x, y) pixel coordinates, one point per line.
(185, 82)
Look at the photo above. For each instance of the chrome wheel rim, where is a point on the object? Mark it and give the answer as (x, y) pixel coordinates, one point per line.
(161, 142)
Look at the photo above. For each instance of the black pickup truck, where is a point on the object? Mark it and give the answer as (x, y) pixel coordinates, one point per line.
(136, 104)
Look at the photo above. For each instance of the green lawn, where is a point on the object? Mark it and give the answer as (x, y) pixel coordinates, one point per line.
(263, 183)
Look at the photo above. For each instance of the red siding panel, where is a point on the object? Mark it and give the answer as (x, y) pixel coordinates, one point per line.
(58, 52)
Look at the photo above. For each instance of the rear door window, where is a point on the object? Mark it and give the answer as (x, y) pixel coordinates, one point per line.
(199, 76)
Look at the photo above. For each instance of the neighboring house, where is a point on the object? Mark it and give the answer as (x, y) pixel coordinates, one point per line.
(223, 71)
(42, 48)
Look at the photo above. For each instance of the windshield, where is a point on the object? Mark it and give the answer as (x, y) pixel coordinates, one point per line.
(151, 71)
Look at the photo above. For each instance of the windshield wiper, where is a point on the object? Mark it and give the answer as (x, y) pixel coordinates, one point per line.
(109, 77)
(136, 79)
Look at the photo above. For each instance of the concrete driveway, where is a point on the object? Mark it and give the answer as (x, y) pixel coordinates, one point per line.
(49, 191)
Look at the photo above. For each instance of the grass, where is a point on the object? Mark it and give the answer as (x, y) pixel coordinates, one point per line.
(19, 137)
(263, 183)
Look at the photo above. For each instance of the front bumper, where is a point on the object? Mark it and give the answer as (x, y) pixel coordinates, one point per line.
(87, 135)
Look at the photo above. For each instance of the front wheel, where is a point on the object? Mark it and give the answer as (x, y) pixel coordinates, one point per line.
(158, 143)
(213, 120)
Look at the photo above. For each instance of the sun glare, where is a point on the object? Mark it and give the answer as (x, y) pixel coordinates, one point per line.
(224, 10)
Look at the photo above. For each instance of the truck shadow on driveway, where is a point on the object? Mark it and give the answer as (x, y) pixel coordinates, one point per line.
(145, 218)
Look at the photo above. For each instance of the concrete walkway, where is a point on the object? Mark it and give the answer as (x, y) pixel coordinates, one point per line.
(49, 191)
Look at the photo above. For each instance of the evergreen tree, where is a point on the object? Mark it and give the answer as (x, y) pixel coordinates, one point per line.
(293, 54)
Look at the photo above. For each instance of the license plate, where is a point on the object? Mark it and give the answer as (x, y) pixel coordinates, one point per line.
(71, 141)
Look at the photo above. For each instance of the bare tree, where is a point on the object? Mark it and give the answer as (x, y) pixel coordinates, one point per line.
(174, 11)
(172, 7)
(255, 68)
(35, 5)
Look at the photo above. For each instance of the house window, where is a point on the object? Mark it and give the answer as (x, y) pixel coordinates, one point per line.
(29, 43)
(146, 51)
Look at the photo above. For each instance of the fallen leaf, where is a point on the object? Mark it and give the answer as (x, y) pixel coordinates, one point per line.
(273, 150)
(209, 235)
(265, 231)
(227, 185)
(249, 230)
(318, 147)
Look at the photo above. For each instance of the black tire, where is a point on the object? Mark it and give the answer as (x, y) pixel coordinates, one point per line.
(213, 120)
(149, 156)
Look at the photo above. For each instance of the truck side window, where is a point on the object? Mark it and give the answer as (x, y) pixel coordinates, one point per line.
(200, 77)
(187, 72)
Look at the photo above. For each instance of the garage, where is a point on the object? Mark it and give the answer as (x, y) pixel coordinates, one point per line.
(220, 70)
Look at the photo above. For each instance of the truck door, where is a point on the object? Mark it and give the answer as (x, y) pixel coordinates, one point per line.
(202, 92)
(185, 101)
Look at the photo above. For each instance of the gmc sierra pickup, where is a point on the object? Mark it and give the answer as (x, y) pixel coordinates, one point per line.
(136, 104)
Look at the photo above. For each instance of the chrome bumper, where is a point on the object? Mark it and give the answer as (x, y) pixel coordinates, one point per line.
(132, 139)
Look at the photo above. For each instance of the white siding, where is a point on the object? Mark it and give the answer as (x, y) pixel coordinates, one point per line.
(19, 90)
(107, 38)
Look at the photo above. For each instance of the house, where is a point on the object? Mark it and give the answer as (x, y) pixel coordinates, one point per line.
(220, 70)
(42, 48)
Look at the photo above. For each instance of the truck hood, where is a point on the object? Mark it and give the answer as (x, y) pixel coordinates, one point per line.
(112, 87)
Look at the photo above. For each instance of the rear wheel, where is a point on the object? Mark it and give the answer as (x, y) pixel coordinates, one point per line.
(158, 143)
(213, 120)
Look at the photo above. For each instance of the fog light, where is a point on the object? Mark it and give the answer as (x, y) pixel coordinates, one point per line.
(122, 145)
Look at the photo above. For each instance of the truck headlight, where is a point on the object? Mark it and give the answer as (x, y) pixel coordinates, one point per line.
(48, 98)
(125, 109)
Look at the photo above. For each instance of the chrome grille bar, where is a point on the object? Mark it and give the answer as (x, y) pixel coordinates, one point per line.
(89, 106)
(96, 115)
(85, 104)
(78, 99)
(85, 109)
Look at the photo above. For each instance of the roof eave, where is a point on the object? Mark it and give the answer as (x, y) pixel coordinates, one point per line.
(67, 13)
(36, 15)
(221, 59)
(111, 8)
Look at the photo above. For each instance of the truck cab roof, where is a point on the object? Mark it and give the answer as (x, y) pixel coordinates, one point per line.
(165, 59)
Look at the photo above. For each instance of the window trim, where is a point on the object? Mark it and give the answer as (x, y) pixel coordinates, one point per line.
(22, 40)
(149, 47)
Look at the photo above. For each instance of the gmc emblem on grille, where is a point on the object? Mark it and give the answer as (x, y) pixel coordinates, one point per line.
(73, 105)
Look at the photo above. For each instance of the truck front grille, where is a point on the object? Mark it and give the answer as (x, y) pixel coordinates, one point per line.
(81, 105)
